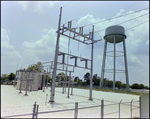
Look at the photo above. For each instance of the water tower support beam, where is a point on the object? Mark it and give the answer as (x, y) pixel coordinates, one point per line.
(114, 73)
(126, 67)
(103, 65)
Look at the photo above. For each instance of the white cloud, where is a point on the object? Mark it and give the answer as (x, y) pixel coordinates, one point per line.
(134, 60)
(36, 6)
(45, 30)
(10, 57)
(120, 12)
(44, 48)
(7, 50)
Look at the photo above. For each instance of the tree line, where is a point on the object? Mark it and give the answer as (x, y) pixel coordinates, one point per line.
(61, 77)
(107, 83)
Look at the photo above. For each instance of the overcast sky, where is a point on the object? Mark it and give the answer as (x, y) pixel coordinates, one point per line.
(28, 34)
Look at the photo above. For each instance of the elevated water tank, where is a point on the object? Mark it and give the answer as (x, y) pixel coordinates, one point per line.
(116, 30)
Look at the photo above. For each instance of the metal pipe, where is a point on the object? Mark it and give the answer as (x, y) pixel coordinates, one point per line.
(63, 89)
(131, 106)
(69, 84)
(46, 99)
(21, 82)
(140, 106)
(34, 108)
(44, 83)
(72, 89)
(119, 108)
(26, 87)
(102, 108)
(90, 95)
(37, 111)
(47, 80)
(76, 110)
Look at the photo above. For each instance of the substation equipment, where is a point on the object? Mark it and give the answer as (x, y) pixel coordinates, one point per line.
(115, 34)
(31, 80)
(88, 40)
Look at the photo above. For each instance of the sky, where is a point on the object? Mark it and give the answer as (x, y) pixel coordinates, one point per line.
(28, 35)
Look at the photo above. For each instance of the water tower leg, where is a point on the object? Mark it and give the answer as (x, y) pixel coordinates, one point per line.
(114, 73)
(103, 65)
(126, 67)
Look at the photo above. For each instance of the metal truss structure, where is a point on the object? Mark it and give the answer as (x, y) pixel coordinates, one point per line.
(88, 39)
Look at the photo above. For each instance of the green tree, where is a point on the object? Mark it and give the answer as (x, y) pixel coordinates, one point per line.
(76, 79)
(96, 80)
(146, 87)
(4, 78)
(11, 76)
(105, 82)
(79, 81)
(141, 86)
(61, 76)
(135, 86)
(110, 83)
(123, 85)
(87, 78)
(83, 83)
(36, 67)
(118, 84)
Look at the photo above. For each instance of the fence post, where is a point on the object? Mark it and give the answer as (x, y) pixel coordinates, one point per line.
(140, 106)
(119, 108)
(34, 107)
(102, 108)
(76, 110)
(37, 111)
(131, 106)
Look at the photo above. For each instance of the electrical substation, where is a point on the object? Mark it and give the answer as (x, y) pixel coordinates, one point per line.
(113, 34)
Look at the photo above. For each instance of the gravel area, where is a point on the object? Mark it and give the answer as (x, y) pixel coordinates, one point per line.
(15, 103)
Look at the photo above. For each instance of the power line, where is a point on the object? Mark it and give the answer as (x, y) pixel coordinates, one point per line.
(131, 5)
(126, 21)
(137, 25)
(114, 17)
(134, 26)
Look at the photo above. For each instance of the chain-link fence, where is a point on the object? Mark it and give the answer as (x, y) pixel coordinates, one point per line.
(105, 108)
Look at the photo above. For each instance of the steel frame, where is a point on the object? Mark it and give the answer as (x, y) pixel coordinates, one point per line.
(88, 39)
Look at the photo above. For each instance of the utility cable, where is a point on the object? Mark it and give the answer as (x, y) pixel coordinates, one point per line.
(127, 7)
(114, 17)
(137, 25)
(124, 22)
(131, 5)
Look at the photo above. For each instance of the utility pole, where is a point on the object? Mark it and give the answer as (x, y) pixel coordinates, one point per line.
(90, 96)
(55, 60)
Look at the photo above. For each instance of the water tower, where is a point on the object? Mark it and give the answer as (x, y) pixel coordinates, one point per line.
(114, 35)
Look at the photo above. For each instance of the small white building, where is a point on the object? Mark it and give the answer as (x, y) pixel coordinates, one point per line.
(144, 110)
(35, 80)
